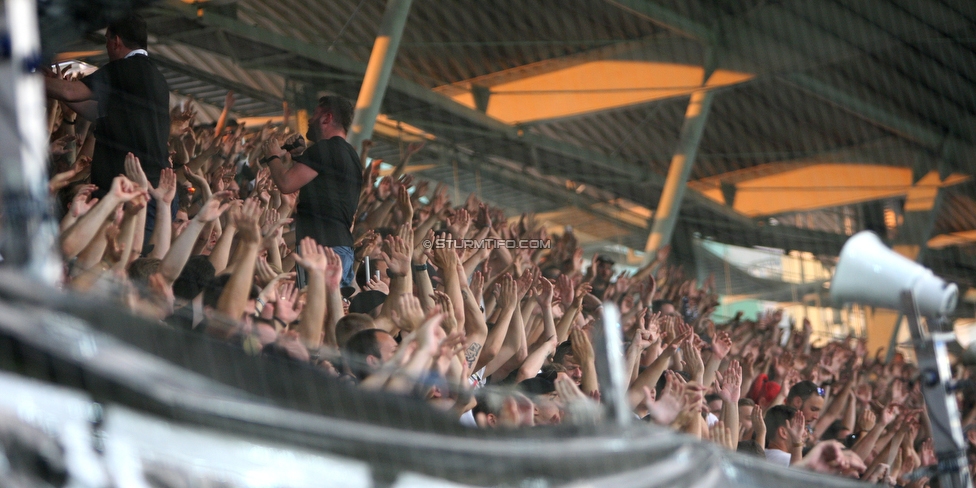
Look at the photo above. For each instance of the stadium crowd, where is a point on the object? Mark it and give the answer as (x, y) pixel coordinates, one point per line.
(213, 239)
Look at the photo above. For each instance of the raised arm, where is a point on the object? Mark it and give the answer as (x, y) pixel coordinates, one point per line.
(181, 249)
(233, 300)
(77, 237)
(315, 260)
(163, 229)
(499, 330)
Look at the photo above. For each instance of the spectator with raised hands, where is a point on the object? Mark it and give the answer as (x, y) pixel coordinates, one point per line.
(785, 431)
(458, 327)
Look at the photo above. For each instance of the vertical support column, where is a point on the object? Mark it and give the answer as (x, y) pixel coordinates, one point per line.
(378, 71)
(921, 209)
(666, 214)
(29, 230)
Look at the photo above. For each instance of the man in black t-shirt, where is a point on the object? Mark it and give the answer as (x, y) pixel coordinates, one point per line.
(329, 177)
(128, 99)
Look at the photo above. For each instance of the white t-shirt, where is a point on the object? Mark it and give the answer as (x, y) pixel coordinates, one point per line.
(711, 419)
(467, 419)
(776, 456)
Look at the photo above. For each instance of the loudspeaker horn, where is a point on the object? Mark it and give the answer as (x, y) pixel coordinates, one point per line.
(872, 274)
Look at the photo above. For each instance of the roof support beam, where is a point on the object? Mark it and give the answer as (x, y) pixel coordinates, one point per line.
(666, 215)
(417, 92)
(378, 70)
(668, 19)
(199, 74)
(941, 144)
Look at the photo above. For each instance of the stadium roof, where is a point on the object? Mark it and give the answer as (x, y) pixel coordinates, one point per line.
(829, 117)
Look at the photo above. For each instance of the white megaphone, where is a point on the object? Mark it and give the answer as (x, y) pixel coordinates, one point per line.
(869, 273)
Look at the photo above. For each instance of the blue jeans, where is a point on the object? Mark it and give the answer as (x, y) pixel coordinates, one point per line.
(347, 255)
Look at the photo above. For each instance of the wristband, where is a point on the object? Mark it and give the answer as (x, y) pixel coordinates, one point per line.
(260, 305)
(282, 322)
(268, 159)
(420, 267)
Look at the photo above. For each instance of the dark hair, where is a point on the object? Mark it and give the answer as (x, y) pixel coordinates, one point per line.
(131, 29)
(362, 344)
(775, 418)
(537, 386)
(751, 448)
(562, 350)
(349, 325)
(831, 434)
(746, 402)
(213, 289)
(197, 272)
(711, 397)
(657, 305)
(340, 108)
(366, 301)
(663, 381)
(141, 269)
(803, 390)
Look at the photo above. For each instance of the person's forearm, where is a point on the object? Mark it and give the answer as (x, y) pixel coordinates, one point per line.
(274, 254)
(850, 414)
(313, 315)
(425, 226)
(457, 288)
(512, 348)
(730, 415)
(425, 289)
(490, 303)
(535, 360)
(376, 217)
(548, 325)
(865, 445)
(649, 377)
(589, 383)
(204, 238)
(162, 235)
(126, 234)
(746, 384)
(496, 335)
(87, 109)
(67, 91)
(888, 453)
(475, 328)
(67, 221)
(524, 315)
(233, 300)
(279, 172)
(334, 312)
(92, 254)
(399, 285)
(833, 412)
(139, 235)
(220, 254)
(404, 380)
(200, 161)
(472, 264)
(632, 363)
(221, 123)
(710, 368)
(81, 233)
(796, 454)
(562, 328)
(179, 251)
